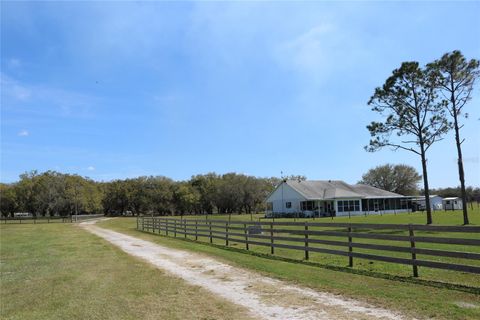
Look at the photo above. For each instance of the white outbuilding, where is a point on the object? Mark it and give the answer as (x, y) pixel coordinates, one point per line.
(452, 203)
(436, 202)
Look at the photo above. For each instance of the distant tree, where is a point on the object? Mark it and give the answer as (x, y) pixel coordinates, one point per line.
(457, 78)
(8, 199)
(185, 198)
(297, 177)
(272, 182)
(400, 178)
(228, 196)
(25, 193)
(160, 195)
(116, 197)
(414, 119)
(206, 186)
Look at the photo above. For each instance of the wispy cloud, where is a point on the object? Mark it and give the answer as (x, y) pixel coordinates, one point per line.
(44, 100)
(91, 168)
(11, 89)
(23, 133)
(320, 51)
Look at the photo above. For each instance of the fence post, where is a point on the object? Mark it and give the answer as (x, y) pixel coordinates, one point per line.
(210, 228)
(153, 225)
(137, 222)
(167, 224)
(185, 228)
(174, 227)
(412, 247)
(196, 229)
(226, 234)
(306, 241)
(246, 235)
(350, 248)
(272, 251)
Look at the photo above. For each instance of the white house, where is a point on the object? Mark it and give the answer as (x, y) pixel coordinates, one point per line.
(436, 202)
(333, 197)
(452, 203)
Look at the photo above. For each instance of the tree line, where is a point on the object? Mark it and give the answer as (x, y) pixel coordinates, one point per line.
(57, 194)
(404, 179)
(419, 106)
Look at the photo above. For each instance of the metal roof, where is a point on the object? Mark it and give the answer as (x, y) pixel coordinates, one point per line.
(334, 189)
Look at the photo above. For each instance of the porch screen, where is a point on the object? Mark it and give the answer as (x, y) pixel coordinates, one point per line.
(348, 205)
(307, 205)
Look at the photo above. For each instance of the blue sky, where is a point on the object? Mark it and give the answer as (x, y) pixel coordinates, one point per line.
(114, 90)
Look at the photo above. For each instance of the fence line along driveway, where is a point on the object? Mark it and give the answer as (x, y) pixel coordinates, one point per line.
(400, 239)
(263, 297)
(49, 219)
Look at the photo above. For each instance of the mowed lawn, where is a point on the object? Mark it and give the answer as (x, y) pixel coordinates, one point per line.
(422, 298)
(60, 271)
(391, 269)
(440, 217)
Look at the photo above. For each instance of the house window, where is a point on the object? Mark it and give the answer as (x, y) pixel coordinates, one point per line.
(288, 205)
(269, 206)
(348, 205)
(307, 205)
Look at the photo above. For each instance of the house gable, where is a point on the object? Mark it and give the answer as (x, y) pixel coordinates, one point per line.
(288, 193)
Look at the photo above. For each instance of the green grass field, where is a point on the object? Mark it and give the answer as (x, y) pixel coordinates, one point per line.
(59, 271)
(427, 297)
(452, 218)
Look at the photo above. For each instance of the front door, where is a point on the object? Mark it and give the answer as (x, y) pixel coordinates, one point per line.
(329, 207)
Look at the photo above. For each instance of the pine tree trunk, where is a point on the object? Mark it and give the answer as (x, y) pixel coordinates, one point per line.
(461, 173)
(425, 186)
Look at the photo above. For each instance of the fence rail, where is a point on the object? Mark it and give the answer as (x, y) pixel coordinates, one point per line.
(20, 220)
(343, 237)
(35, 220)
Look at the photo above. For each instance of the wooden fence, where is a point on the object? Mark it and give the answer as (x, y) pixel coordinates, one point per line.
(34, 220)
(48, 219)
(308, 236)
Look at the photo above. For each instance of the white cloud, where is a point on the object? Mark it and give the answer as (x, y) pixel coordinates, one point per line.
(91, 168)
(45, 101)
(23, 133)
(311, 49)
(321, 52)
(12, 89)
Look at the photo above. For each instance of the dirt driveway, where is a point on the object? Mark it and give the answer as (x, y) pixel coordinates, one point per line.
(263, 297)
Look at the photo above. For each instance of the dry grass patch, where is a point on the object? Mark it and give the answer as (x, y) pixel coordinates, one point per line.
(59, 271)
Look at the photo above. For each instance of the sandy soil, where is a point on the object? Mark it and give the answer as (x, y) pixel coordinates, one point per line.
(263, 297)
